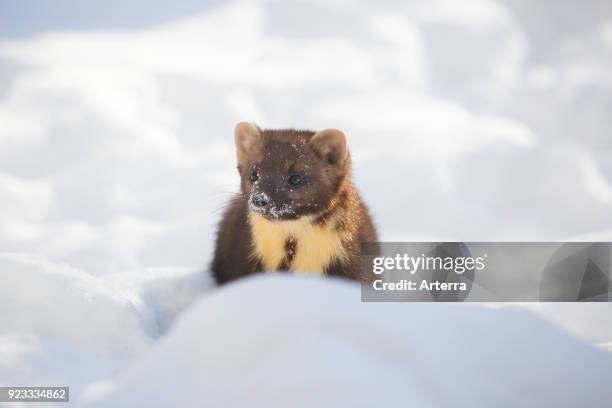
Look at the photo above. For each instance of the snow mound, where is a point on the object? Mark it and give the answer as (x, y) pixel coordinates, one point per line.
(62, 326)
(277, 341)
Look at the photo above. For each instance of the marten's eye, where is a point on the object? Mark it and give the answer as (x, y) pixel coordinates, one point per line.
(254, 175)
(295, 180)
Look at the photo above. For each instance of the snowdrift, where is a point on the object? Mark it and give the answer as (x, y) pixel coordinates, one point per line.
(61, 325)
(278, 341)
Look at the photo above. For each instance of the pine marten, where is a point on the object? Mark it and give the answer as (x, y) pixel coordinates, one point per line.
(297, 209)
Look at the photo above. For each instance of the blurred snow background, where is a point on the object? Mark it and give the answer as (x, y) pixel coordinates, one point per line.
(478, 120)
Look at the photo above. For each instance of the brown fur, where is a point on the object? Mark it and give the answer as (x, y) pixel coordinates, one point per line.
(322, 217)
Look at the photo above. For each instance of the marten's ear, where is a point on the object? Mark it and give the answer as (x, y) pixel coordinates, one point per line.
(331, 146)
(247, 137)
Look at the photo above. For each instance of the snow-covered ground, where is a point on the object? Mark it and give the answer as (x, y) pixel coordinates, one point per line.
(322, 348)
(476, 120)
(63, 326)
(281, 341)
(289, 340)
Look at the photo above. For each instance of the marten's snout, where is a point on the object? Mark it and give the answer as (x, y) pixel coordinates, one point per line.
(267, 199)
(260, 200)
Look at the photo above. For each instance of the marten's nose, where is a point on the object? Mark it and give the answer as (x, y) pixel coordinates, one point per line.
(260, 199)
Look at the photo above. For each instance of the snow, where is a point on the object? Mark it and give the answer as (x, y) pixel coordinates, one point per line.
(63, 326)
(295, 341)
(116, 145)
(116, 159)
(290, 340)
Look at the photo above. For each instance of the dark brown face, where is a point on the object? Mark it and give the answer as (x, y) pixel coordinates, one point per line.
(286, 174)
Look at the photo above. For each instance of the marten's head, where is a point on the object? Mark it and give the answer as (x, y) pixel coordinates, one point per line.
(286, 174)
